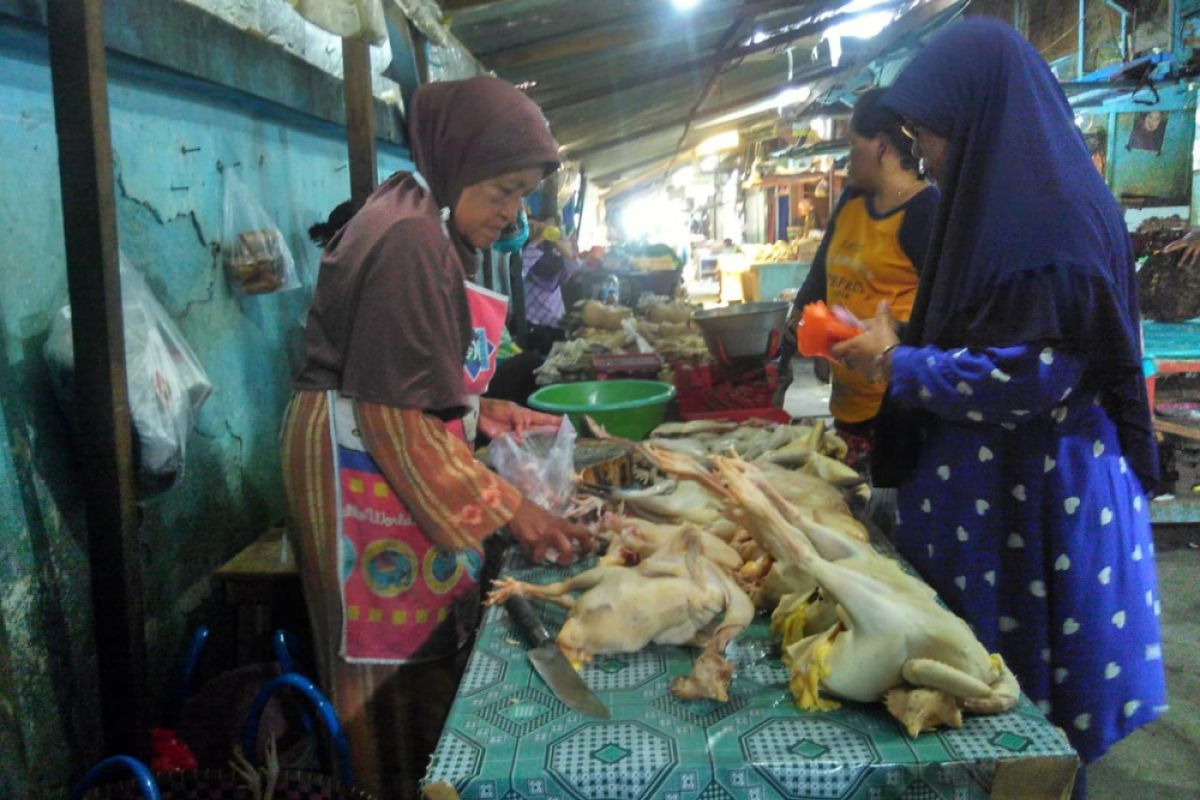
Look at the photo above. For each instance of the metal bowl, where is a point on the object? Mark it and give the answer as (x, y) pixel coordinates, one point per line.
(743, 332)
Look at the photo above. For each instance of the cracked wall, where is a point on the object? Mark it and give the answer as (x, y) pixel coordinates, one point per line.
(168, 142)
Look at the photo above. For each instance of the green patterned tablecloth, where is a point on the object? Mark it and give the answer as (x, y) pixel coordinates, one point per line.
(509, 738)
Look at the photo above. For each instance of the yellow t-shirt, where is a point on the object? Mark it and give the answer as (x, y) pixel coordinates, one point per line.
(869, 258)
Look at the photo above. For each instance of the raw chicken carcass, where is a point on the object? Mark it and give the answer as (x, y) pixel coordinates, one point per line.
(675, 501)
(888, 636)
(675, 597)
(632, 540)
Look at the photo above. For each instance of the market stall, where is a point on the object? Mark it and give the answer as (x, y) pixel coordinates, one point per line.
(721, 361)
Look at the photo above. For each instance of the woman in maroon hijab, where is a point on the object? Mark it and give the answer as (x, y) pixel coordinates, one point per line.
(387, 505)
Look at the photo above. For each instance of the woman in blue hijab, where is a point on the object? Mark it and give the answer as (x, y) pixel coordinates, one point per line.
(1017, 427)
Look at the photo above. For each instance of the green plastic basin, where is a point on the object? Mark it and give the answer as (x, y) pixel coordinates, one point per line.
(626, 408)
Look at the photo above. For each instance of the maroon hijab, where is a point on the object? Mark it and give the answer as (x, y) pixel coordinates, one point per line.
(464, 132)
(389, 321)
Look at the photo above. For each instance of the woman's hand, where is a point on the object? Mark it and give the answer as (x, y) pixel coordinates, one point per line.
(1189, 244)
(497, 417)
(862, 353)
(542, 534)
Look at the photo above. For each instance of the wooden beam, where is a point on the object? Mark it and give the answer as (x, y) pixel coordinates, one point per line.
(1178, 429)
(79, 80)
(731, 54)
(360, 118)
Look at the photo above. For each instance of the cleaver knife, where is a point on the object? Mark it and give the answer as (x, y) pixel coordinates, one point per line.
(551, 664)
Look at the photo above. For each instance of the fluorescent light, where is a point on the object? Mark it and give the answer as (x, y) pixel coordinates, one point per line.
(792, 96)
(864, 27)
(759, 37)
(685, 5)
(715, 144)
(858, 5)
(788, 97)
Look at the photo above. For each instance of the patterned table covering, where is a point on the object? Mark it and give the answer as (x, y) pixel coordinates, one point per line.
(509, 738)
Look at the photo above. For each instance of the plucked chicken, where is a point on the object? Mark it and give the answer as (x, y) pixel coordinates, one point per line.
(891, 640)
(677, 596)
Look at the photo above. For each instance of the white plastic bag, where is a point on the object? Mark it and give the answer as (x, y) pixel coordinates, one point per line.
(257, 259)
(166, 383)
(541, 466)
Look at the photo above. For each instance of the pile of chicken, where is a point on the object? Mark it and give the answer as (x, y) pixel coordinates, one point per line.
(757, 518)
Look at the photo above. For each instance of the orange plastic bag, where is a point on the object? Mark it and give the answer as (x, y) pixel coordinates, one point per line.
(820, 329)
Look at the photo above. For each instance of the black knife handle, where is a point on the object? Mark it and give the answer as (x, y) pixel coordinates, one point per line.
(522, 613)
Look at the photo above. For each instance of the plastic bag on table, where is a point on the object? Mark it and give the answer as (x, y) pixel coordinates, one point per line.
(257, 259)
(541, 466)
(166, 383)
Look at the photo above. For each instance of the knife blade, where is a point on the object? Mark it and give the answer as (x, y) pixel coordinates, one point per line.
(551, 664)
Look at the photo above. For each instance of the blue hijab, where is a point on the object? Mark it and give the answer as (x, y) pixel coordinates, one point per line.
(1029, 245)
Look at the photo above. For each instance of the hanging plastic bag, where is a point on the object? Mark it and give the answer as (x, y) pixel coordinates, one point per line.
(541, 466)
(166, 383)
(257, 259)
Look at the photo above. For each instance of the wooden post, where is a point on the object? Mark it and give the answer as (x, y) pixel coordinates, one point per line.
(360, 118)
(79, 82)
(419, 53)
(487, 268)
(832, 189)
(516, 282)
(579, 205)
(549, 205)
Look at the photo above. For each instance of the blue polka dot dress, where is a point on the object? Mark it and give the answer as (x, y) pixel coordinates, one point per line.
(1027, 520)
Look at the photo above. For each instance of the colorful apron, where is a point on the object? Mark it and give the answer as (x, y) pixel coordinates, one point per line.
(404, 599)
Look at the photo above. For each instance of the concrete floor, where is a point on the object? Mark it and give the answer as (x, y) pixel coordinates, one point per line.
(1160, 761)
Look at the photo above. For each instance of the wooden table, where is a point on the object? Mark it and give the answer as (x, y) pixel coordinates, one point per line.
(262, 582)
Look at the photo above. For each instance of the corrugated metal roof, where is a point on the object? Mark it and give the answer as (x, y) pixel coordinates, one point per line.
(629, 84)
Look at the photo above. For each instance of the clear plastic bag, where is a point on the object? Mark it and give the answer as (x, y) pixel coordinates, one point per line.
(257, 259)
(541, 466)
(166, 383)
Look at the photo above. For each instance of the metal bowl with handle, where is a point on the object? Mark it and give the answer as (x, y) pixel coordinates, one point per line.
(750, 331)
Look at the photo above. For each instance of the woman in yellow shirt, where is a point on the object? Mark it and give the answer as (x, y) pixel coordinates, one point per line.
(872, 250)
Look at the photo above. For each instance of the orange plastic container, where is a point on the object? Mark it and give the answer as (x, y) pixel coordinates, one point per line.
(819, 330)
